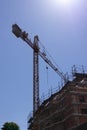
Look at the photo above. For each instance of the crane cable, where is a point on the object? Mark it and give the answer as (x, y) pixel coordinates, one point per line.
(48, 55)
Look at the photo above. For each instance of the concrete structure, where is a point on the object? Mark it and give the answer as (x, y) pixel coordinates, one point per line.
(65, 109)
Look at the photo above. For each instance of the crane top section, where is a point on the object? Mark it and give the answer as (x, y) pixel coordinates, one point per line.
(17, 31)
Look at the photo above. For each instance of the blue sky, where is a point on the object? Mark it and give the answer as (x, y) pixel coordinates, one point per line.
(62, 29)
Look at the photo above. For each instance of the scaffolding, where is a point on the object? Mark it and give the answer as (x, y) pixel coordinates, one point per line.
(55, 104)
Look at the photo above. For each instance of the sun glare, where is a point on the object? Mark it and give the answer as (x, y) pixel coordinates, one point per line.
(65, 3)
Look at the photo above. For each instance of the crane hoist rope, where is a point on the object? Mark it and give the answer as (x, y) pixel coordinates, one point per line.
(17, 31)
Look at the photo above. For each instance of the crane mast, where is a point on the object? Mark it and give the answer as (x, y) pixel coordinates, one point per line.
(35, 74)
(17, 31)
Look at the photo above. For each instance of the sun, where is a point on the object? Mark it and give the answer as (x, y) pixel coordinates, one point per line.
(64, 1)
(61, 2)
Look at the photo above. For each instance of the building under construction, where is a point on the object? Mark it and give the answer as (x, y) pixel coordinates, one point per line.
(65, 109)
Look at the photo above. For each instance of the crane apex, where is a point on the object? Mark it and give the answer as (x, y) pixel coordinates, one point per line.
(16, 30)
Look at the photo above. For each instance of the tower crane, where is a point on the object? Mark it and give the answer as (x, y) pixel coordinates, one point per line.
(17, 31)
